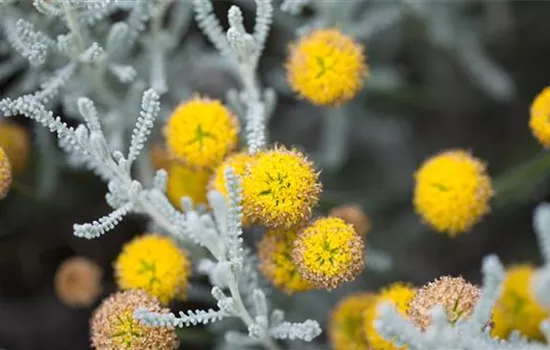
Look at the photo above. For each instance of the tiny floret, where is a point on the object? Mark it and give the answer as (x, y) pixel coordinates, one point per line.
(456, 295)
(280, 188)
(113, 326)
(538, 121)
(346, 322)
(189, 182)
(155, 264)
(400, 295)
(353, 215)
(328, 253)
(276, 265)
(78, 282)
(5, 174)
(326, 67)
(16, 142)
(201, 132)
(517, 308)
(453, 192)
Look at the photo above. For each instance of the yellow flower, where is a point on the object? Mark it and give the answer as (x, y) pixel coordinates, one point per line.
(452, 191)
(201, 132)
(239, 162)
(456, 295)
(326, 67)
(5, 174)
(400, 295)
(353, 215)
(16, 142)
(155, 264)
(113, 326)
(538, 122)
(280, 188)
(183, 181)
(346, 322)
(276, 265)
(516, 308)
(328, 253)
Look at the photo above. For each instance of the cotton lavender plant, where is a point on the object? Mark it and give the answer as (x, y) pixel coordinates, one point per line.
(472, 332)
(219, 232)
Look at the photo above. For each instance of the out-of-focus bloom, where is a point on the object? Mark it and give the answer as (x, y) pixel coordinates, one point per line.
(201, 132)
(113, 326)
(452, 191)
(239, 162)
(517, 308)
(5, 174)
(354, 215)
(78, 282)
(456, 295)
(276, 265)
(346, 322)
(538, 121)
(16, 142)
(326, 67)
(280, 188)
(398, 294)
(155, 264)
(328, 253)
(160, 157)
(190, 182)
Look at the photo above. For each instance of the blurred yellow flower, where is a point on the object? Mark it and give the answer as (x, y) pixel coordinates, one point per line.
(113, 326)
(400, 295)
(16, 142)
(184, 181)
(452, 192)
(346, 322)
(201, 132)
(155, 264)
(5, 174)
(280, 188)
(539, 121)
(517, 308)
(328, 253)
(275, 261)
(326, 67)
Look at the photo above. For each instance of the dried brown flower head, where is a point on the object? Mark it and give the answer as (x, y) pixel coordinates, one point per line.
(354, 215)
(78, 282)
(456, 295)
(113, 326)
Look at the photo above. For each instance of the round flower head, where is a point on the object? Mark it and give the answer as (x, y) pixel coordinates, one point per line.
(280, 188)
(328, 253)
(354, 215)
(78, 282)
(16, 142)
(326, 67)
(184, 181)
(276, 265)
(452, 191)
(538, 121)
(113, 326)
(155, 264)
(346, 322)
(201, 132)
(457, 296)
(5, 174)
(517, 308)
(239, 162)
(400, 295)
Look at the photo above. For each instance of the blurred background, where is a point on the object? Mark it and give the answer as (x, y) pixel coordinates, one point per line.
(442, 75)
